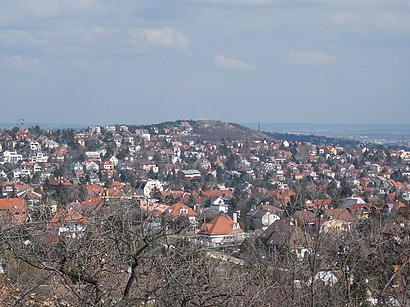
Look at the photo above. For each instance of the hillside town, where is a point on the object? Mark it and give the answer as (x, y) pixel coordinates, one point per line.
(334, 208)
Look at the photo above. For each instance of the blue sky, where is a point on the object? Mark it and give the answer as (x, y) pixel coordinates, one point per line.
(132, 61)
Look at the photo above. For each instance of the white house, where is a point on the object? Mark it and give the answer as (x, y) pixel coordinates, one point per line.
(114, 160)
(34, 146)
(39, 157)
(51, 144)
(68, 223)
(264, 216)
(149, 187)
(11, 156)
(220, 204)
(91, 166)
(221, 230)
(190, 174)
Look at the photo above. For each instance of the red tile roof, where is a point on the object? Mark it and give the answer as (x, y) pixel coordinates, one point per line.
(175, 210)
(66, 216)
(94, 189)
(220, 225)
(91, 202)
(13, 208)
(217, 193)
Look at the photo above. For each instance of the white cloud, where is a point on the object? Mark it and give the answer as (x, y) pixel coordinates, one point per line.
(28, 64)
(228, 63)
(166, 37)
(311, 58)
(142, 38)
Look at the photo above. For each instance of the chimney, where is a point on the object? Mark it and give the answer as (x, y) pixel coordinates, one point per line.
(235, 217)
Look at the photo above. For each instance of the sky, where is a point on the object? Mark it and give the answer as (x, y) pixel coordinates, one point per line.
(149, 61)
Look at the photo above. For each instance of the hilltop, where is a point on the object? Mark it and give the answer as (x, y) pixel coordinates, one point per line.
(216, 130)
(212, 130)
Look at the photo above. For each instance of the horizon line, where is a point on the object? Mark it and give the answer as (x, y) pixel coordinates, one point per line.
(86, 125)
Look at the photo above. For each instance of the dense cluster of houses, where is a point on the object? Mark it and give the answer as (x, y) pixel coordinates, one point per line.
(171, 171)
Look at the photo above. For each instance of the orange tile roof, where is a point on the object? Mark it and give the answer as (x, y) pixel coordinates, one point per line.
(91, 201)
(220, 225)
(175, 210)
(111, 193)
(117, 185)
(67, 216)
(216, 193)
(153, 207)
(94, 189)
(318, 203)
(16, 207)
(61, 182)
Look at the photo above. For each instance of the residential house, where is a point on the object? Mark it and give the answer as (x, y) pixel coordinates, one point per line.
(393, 206)
(93, 156)
(113, 160)
(110, 128)
(147, 188)
(39, 157)
(22, 173)
(75, 166)
(95, 130)
(50, 144)
(220, 204)
(264, 216)
(94, 190)
(318, 204)
(107, 168)
(152, 207)
(31, 197)
(190, 174)
(282, 196)
(7, 188)
(91, 166)
(34, 146)
(58, 154)
(68, 223)
(181, 210)
(286, 234)
(338, 219)
(224, 192)
(89, 205)
(149, 166)
(32, 166)
(13, 210)
(221, 230)
(348, 202)
(11, 156)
